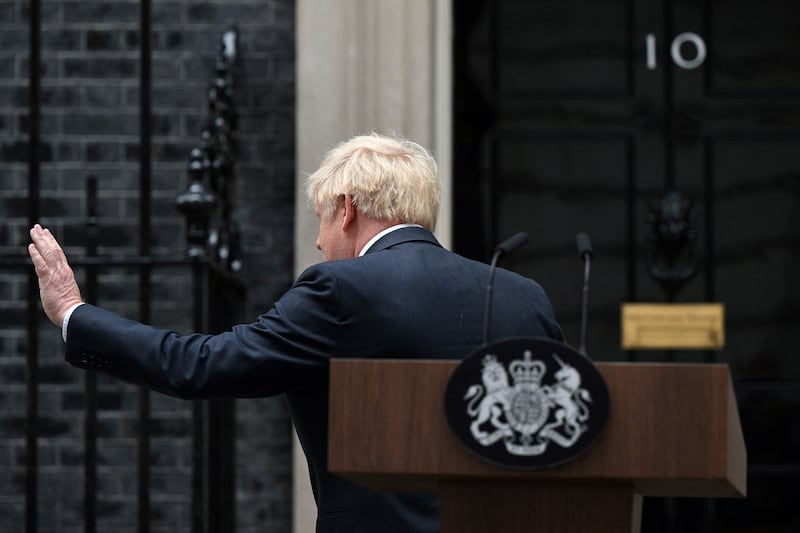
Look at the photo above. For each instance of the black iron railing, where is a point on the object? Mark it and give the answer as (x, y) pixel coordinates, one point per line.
(211, 264)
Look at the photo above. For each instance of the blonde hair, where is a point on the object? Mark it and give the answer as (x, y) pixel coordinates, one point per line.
(388, 179)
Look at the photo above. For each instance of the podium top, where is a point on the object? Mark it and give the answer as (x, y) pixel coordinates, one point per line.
(673, 430)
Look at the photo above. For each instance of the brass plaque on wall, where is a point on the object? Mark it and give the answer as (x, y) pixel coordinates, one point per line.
(673, 326)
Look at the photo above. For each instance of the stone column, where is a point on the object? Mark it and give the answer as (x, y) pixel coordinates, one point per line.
(362, 66)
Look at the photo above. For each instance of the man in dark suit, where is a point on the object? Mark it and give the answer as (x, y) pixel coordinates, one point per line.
(386, 290)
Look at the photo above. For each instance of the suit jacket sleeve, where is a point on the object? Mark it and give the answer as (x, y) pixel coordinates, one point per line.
(279, 352)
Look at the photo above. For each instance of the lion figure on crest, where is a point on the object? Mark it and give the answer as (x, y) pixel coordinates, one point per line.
(492, 404)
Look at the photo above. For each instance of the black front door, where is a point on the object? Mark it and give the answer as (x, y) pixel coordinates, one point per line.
(580, 115)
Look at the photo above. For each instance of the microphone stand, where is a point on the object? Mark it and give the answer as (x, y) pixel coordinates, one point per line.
(504, 248)
(585, 252)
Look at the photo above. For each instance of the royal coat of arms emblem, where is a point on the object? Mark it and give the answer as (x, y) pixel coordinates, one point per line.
(528, 402)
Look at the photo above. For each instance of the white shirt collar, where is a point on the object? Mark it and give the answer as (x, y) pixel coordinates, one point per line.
(385, 232)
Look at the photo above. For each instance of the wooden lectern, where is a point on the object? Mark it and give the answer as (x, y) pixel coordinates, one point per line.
(673, 430)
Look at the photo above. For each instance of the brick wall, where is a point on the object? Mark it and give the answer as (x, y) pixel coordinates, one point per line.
(89, 126)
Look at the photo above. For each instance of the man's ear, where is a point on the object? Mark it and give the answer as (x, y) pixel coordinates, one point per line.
(349, 212)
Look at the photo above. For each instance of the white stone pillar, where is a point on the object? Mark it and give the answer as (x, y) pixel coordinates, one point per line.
(362, 66)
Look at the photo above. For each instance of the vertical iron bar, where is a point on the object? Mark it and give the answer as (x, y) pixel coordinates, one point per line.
(200, 482)
(90, 422)
(143, 459)
(32, 404)
(33, 315)
(144, 131)
(222, 415)
(144, 250)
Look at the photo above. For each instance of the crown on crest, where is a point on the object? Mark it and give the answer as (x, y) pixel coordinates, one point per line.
(490, 360)
(527, 370)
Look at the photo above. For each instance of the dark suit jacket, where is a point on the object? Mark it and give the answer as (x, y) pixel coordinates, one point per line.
(406, 298)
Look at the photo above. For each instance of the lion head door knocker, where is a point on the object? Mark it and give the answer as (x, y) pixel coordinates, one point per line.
(671, 250)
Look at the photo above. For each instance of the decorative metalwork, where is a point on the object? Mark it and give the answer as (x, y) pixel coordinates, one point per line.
(207, 204)
(196, 205)
(672, 255)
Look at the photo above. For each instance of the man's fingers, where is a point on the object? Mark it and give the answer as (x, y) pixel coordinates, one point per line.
(39, 240)
(47, 247)
(36, 258)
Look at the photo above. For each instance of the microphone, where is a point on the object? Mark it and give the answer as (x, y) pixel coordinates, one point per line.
(506, 247)
(512, 244)
(585, 252)
(584, 245)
